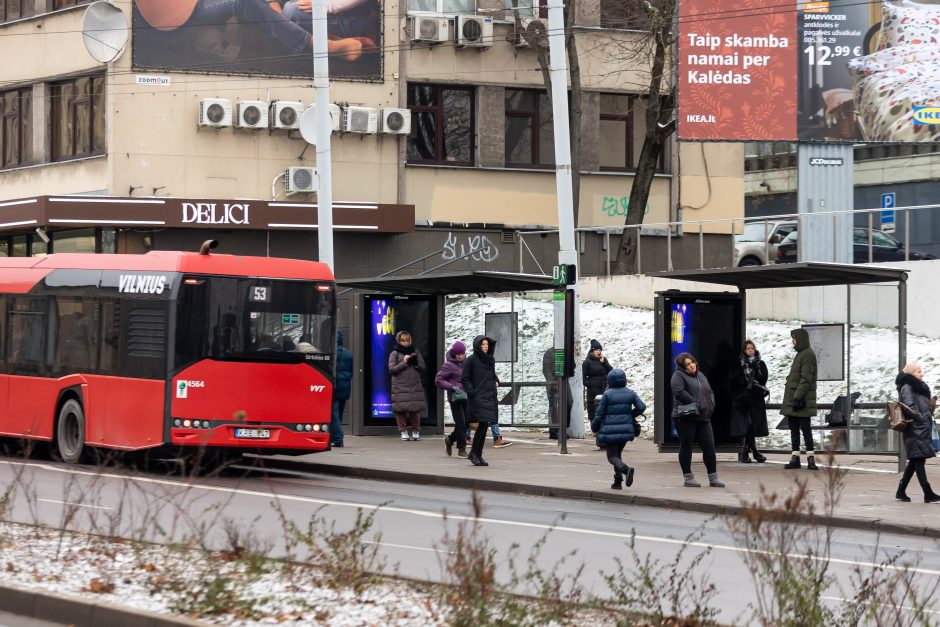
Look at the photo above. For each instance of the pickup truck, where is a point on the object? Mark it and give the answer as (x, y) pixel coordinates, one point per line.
(757, 244)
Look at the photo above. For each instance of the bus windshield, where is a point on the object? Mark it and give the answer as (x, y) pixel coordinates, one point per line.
(253, 320)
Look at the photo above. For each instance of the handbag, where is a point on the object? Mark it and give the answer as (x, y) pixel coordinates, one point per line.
(689, 410)
(934, 438)
(896, 418)
(459, 396)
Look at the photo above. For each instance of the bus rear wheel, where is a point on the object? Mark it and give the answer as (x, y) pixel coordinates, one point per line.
(70, 439)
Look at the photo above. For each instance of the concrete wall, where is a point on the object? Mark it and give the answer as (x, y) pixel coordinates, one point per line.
(872, 305)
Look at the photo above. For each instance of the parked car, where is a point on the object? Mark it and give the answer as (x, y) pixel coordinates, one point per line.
(757, 245)
(883, 248)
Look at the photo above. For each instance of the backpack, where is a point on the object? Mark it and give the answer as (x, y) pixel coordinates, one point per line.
(896, 418)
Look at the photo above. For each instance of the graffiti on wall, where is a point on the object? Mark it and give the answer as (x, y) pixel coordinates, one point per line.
(474, 246)
(617, 206)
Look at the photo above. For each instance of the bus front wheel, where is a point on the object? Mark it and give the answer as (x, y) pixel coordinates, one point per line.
(71, 432)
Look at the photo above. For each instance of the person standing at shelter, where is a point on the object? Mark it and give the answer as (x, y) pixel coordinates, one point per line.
(915, 399)
(406, 364)
(594, 371)
(449, 379)
(799, 399)
(693, 403)
(548, 371)
(747, 384)
(341, 391)
(480, 381)
(615, 424)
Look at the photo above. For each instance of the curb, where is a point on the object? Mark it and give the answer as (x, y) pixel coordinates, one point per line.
(68, 610)
(493, 485)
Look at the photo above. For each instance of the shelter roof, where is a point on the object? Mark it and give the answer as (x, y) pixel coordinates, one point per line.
(809, 274)
(444, 283)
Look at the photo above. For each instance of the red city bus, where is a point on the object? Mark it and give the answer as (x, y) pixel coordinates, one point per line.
(173, 350)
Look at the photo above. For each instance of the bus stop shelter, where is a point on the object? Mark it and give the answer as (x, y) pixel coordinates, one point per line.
(769, 277)
(384, 305)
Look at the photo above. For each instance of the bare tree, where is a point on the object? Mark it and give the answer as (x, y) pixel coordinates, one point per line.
(657, 48)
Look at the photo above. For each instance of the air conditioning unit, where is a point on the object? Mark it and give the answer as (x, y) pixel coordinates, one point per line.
(251, 114)
(361, 120)
(215, 112)
(336, 116)
(473, 31)
(430, 29)
(285, 114)
(536, 29)
(396, 121)
(300, 180)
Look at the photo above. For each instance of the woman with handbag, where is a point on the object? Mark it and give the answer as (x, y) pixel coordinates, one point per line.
(693, 403)
(747, 384)
(449, 379)
(615, 423)
(918, 437)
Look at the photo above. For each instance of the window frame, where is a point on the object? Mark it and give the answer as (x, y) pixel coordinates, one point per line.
(534, 115)
(5, 10)
(70, 108)
(438, 111)
(22, 116)
(440, 10)
(630, 22)
(64, 4)
(628, 119)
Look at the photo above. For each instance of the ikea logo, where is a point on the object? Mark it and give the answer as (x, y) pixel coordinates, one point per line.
(926, 115)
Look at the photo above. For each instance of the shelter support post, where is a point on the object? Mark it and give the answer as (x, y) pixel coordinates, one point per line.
(902, 356)
(848, 363)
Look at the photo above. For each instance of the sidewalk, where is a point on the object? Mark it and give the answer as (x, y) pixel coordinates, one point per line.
(533, 466)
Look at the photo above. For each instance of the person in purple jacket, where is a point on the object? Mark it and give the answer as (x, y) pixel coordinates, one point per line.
(449, 379)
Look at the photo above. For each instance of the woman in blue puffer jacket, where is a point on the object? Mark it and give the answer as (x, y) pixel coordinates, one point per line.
(614, 423)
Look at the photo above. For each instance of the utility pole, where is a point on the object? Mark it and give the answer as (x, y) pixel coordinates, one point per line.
(324, 126)
(567, 255)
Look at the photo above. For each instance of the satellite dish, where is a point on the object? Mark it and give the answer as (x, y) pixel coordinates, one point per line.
(104, 31)
(308, 125)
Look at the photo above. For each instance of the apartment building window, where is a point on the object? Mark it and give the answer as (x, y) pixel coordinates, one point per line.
(442, 125)
(623, 14)
(526, 9)
(442, 7)
(16, 137)
(61, 4)
(78, 110)
(15, 9)
(530, 138)
(616, 131)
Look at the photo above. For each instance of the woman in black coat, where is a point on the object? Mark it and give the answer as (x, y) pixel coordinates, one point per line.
(480, 382)
(747, 383)
(915, 400)
(594, 373)
(690, 387)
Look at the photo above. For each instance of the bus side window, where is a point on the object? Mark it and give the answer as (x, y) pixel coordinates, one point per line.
(27, 335)
(74, 340)
(110, 342)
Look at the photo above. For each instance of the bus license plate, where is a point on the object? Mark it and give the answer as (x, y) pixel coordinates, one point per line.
(253, 434)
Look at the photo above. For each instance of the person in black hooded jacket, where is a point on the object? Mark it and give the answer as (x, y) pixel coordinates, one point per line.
(594, 371)
(746, 382)
(915, 403)
(480, 383)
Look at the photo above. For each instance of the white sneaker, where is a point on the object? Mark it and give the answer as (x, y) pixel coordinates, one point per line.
(415, 435)
(404, 436)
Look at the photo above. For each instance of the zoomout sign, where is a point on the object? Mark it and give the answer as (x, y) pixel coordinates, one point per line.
(215, 213)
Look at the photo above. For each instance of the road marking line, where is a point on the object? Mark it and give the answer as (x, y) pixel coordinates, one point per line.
(483, 520)
(73, 504)
(406, 546)
(904, 608)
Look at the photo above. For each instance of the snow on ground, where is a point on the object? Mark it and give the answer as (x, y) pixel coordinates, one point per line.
(627, 336)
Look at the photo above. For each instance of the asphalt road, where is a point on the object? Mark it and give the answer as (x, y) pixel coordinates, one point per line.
(412, 521)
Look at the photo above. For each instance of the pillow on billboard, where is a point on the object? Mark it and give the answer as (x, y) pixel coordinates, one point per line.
(891, 58)
(909, 23)
(885, 102)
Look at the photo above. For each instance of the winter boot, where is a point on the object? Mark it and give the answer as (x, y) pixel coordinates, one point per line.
(714, 481)
(929, 495)
(901, 494)
(743, 456)
(618, 482)
(760, 459)
(629, 476)
(690, 481)
(448, 445)
(462, 452)
(811, 462)
(794, 463)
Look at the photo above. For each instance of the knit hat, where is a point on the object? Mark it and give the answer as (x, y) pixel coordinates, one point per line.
(596, 346)
(458, 348)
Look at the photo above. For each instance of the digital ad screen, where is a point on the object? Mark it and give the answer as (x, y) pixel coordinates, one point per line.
(709, 328)
(387, 316)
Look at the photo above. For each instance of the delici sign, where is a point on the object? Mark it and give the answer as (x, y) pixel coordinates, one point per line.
(215, 213)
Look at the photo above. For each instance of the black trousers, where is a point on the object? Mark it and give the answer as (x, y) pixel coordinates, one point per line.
(915, 465)
(613, 456)
(750, 443)
(459, 437)
(796, 426)
(479, 438)
(691, 431)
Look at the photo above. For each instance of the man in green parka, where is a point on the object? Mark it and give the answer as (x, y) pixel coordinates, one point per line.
(799, 399)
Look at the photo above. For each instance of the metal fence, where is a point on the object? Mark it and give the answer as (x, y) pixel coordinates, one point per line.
(727, 226)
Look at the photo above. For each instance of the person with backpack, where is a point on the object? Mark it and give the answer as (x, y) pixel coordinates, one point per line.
(747, 384)
(915, 397)
(615, 424)
(341, 391)
(480, 382)
(799, 399)
(449, 379)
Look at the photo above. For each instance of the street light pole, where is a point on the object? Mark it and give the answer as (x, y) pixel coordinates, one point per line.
(324, 126)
